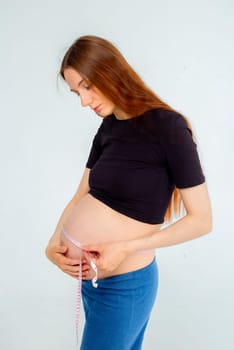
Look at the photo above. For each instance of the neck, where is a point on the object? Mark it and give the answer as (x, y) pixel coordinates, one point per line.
(119, 114)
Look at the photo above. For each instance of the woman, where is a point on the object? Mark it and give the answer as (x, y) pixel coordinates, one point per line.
(143, 165)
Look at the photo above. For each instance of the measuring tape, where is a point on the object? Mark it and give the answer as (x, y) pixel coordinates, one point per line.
(79, 279)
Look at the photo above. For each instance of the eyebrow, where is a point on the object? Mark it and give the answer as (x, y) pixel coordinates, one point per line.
(78, 85)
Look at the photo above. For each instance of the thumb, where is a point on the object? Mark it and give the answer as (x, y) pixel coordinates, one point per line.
(92, 250)
(62, 249)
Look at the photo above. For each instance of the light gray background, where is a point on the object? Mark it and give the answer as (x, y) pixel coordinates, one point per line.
(184, 51)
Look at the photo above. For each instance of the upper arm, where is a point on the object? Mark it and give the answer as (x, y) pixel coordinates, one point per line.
(197, 203)
(181, 153)
(185, 168)
(83, 187)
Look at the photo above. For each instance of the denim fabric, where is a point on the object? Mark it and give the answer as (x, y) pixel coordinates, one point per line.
(117, 312)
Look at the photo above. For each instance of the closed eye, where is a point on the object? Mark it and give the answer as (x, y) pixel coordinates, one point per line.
(86, 87)
(76, 93)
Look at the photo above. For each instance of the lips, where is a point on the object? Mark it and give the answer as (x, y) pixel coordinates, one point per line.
(98, 108)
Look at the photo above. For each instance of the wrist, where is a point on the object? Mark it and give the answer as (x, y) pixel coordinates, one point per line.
(134, 245)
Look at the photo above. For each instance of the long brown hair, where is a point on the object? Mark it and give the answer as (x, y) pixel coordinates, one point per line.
(102, 64)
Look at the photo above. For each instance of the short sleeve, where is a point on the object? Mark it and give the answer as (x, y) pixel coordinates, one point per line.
(96, 150)
(181, 154)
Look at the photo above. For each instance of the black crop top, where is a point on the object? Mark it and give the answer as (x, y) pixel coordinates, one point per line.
(136, 163)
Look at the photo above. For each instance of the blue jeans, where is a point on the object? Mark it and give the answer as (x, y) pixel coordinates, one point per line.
(117, 312)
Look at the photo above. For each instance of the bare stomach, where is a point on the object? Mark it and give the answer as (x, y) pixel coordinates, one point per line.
(93, 222)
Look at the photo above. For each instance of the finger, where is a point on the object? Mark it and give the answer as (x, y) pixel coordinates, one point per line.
(76, 268)
(86, 261)
(85, 274)
(91, 248)
(61, 249)
(63, 258)
(71, 262)
(71, 269)
(76, 275)
(85, 257)
(85, 267)
(72, 275)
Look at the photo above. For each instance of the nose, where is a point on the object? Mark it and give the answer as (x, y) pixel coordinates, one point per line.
(85, 99)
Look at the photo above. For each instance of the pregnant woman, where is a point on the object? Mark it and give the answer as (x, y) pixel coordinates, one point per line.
(142, 167)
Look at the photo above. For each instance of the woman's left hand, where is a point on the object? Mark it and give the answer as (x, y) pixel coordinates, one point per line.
(107, 256)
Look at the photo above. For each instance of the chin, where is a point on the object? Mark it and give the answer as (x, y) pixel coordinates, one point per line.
(104, 114)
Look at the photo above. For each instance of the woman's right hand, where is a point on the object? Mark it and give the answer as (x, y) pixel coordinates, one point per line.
(57, 255)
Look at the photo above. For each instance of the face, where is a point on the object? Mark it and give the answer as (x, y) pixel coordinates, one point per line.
(89, 95)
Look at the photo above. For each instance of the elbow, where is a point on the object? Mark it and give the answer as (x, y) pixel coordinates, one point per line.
(208, 229)
(207, 224)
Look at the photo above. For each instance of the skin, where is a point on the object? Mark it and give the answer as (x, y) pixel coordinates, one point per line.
(108, 256)
(55, 250)
(196, 223)
(91, 96)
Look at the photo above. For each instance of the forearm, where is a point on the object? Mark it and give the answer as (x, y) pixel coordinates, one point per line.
(185, 229)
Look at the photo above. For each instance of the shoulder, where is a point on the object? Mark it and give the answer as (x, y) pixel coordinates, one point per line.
(165, 118)
(163, 124)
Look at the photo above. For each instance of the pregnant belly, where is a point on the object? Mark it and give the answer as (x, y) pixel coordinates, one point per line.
(93, 222)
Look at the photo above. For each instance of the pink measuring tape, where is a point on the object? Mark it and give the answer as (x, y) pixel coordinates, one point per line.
(79, 279)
